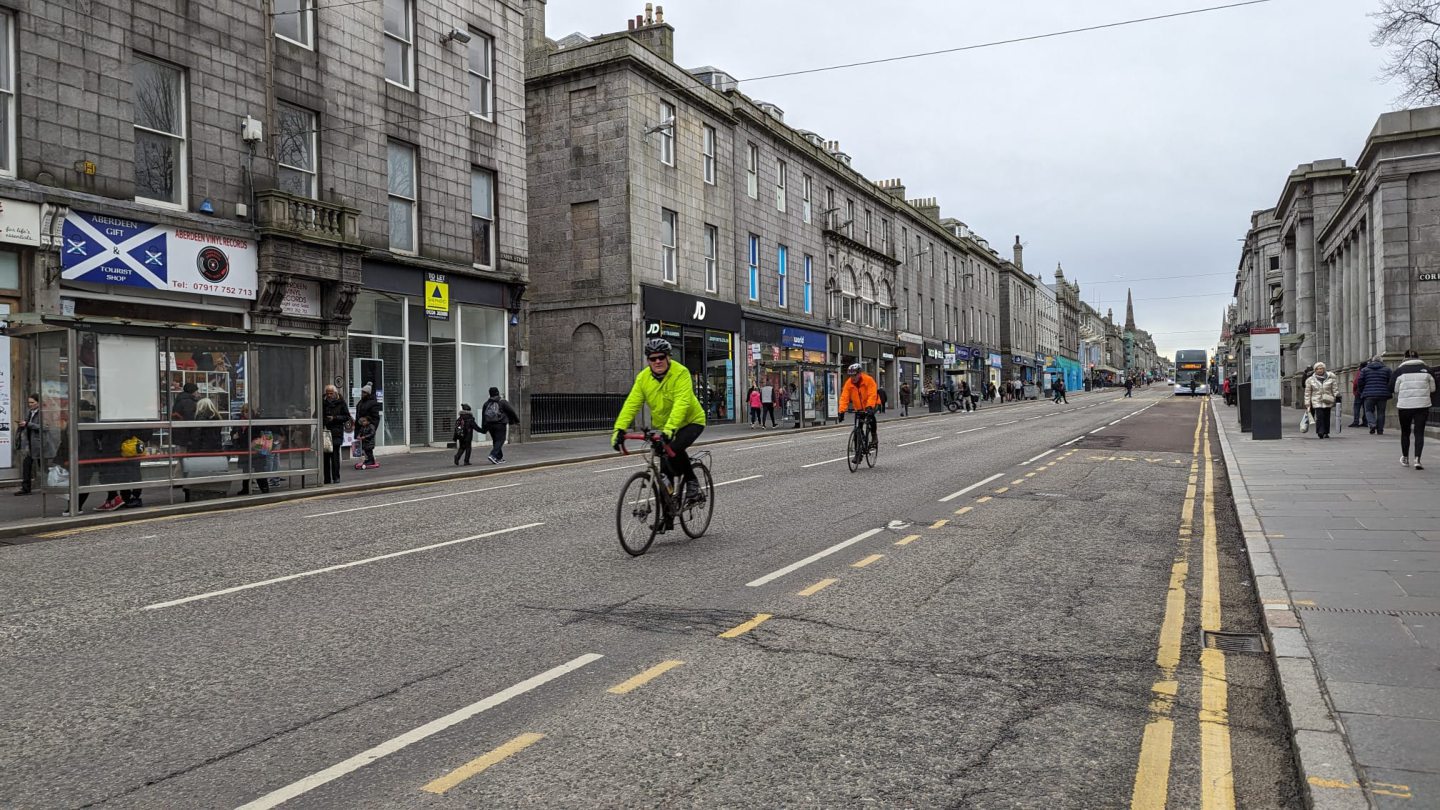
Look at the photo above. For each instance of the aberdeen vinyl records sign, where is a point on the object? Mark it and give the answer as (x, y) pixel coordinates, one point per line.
(103, 249)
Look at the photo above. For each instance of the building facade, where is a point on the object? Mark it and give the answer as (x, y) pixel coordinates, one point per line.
(206, 189)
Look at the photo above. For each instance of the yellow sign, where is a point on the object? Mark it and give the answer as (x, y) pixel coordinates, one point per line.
(437, 297)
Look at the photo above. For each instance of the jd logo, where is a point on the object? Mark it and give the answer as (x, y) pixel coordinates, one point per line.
(652, 329)
(699, 310)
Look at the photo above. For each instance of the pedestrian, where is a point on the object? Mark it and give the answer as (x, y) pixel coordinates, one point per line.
(259, 448)
(964, 395)
(35, 439)
(336, 418)
(1358, 408)
(782, 400)
(1375, 387)
(884, 398)
(990, 391)
(767, 405)
(1225, 390)
(753, 398)
(496, 417)
(1414, 386)
(465, 429)
(1130, 387)
(905, 399)
(368, 410)
(1060, 392)
(1321, 391)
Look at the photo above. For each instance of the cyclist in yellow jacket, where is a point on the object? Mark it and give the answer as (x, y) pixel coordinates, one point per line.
(666, 387)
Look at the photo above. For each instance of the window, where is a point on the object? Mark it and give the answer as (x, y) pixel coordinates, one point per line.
(805, 205)
(401, 167)
(296, 156)
(868, 221)
(830, 208)
(885, 236)
(905, 242)
(849, 217)
(712, 256)
(482, 217)
(480, 62)
(400, 42)
(754, 267)
(158, 98)
(667, 134)
(780, 186)
(669, 228)
(295, 21)
(847, 295)
(809, 284)
(708, 148)
(752, 170)
(783, 296)
(7, 95)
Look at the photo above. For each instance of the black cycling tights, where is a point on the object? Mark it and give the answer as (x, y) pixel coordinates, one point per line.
(680, 464)
(1413, 419)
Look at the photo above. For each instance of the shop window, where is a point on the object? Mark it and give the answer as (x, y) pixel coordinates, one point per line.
(482, 354)
(483, 325)
(377, 314)
(9, 270)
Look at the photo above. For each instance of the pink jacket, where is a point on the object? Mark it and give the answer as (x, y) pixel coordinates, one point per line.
(754, 399)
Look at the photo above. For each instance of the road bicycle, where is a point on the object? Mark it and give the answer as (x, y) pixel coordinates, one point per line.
(651, 500)
(860, 437)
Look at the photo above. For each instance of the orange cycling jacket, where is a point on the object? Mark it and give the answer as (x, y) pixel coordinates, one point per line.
(861, 395)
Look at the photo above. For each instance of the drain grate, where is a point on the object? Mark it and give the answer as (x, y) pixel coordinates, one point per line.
(1234, 642)
(1371, 611)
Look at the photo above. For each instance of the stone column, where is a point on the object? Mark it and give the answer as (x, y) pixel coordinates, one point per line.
(1392, 277)
(1355, 317)
(1305, 290)
(1288, 309)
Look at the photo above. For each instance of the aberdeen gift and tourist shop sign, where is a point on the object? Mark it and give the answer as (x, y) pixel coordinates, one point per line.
(103, 249)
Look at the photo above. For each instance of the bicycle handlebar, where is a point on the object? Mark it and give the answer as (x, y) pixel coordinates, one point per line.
(651, 436)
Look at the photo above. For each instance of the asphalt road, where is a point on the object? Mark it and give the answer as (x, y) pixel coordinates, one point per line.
(487, 643)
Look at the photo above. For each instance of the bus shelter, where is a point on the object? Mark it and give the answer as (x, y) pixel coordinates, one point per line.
(812, 390)
(171, 411)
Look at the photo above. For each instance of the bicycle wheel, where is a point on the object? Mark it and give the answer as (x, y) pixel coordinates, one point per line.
(638, 515)
(873, 448)
(695, 517)
(953, 406)
(851, 450)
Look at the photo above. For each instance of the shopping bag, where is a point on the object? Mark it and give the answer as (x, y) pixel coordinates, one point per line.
(1305, 422)
(327, 444)
(57, 477)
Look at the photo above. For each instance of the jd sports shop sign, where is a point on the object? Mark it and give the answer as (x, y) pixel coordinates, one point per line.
(673, 306)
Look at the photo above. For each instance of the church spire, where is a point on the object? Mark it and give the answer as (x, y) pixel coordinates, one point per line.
(1129, 312)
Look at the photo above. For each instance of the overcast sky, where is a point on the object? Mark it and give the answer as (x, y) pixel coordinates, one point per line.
(1126, 154)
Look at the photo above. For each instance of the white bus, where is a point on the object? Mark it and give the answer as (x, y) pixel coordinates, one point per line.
(1191, 378)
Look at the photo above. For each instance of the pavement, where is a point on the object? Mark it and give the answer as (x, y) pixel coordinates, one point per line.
(1004, 612)
(1345, 546)
(30, 517)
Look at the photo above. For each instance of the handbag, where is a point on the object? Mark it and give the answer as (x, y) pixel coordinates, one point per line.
(1305, 423)
(327, 443)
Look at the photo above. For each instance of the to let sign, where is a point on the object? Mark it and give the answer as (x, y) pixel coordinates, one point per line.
(437, 297)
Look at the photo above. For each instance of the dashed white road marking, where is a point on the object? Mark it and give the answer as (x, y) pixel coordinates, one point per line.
(918, 441)
(819, 555)
(413, 500)
(1037, 458)
(952, 496)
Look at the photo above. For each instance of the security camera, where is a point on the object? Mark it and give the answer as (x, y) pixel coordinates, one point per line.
(463, 37)
(668, 123)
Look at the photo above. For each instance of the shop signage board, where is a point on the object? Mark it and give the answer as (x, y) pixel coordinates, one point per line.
(795, 338)
(19, 224)
(112, 250)
(995, 360)
(302, 298)
(692, 310)
(437, 297)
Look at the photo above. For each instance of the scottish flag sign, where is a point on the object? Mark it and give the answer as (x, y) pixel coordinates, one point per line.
(111, 250)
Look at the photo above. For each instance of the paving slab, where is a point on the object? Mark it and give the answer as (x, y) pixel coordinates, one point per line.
(1396, 701)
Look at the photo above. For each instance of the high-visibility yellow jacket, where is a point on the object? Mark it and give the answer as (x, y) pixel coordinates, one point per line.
(672, 400)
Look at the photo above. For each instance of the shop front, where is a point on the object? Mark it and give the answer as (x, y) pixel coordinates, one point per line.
(994, 366)
(910, 357)
(1071, 372)
(960, 365)
(934, 373)
(790, 362)
(19, 236)
(150, 377)
(703, 332)
(425, 343)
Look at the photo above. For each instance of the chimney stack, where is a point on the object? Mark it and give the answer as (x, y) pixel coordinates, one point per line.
(629, 25)
(1019, 253)
(928, 207)
(660, 15)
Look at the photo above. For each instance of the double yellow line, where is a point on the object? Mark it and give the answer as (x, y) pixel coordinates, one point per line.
(1152, 774)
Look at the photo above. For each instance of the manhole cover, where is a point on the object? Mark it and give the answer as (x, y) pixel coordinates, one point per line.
(1234, 642)
(1371, 611)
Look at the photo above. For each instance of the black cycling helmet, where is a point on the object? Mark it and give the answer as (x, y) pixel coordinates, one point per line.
(658, 345)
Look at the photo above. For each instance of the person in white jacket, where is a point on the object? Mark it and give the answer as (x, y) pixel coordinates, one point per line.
(1413, 384)
(1321, 389)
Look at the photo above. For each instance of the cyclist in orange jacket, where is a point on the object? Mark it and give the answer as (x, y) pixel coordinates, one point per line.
(860, 393)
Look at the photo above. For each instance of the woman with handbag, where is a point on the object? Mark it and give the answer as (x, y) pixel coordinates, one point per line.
(1320, 393)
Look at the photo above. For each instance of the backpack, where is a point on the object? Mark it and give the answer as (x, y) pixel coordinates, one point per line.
(493, 412)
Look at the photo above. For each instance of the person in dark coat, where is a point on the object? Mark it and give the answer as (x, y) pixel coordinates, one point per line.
(1375, 388)
(465, 429)
(884, 398)
(496, 416)
(36, 440)
(369, 409)
(335, 418)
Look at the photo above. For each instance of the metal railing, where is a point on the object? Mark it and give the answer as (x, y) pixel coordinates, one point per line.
(569, 413)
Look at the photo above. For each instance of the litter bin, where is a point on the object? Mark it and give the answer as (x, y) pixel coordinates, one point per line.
(935, 402)
(1244, 407)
